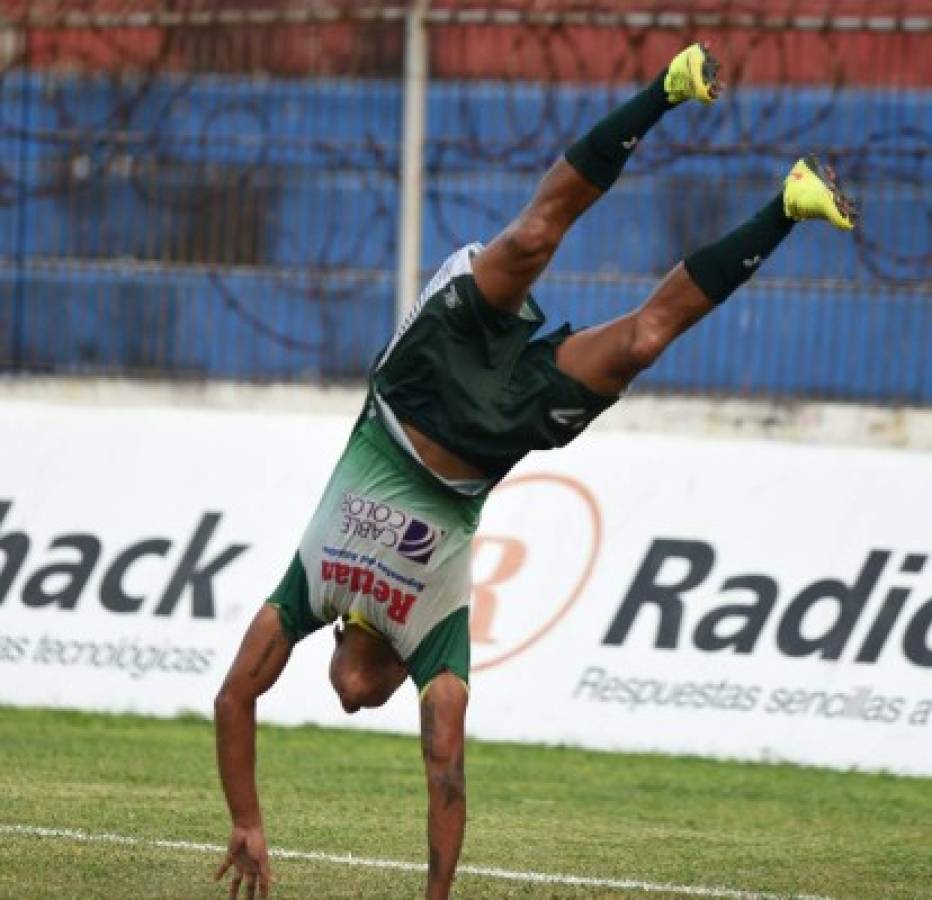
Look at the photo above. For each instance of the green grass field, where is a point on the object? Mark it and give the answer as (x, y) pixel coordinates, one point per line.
(688, 822)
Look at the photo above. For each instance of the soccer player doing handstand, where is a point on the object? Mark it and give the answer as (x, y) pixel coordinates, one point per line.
(460, 394)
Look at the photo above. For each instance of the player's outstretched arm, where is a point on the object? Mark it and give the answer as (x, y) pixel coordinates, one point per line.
(443, 714)
(259, 662)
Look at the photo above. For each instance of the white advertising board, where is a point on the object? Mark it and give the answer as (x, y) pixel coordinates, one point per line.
(735, 599)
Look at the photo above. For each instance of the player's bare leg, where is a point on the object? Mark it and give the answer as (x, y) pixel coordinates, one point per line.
(509, 265)
(443, 714)
(364, 670)
(506, 269)
(608, 357)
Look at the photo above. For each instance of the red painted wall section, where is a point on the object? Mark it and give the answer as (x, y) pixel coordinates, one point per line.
(762, 57)
(534, 52)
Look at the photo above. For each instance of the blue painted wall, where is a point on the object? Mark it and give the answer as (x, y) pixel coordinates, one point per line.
(243, 229)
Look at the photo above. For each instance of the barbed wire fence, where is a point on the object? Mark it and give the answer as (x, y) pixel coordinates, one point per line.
(192, 190)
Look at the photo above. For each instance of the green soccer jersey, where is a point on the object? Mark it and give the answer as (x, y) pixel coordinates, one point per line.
(390, 545)
(388, 542)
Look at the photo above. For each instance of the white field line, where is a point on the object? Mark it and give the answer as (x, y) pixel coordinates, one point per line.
(621, 884)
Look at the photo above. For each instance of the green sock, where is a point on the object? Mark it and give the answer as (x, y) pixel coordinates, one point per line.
(721, 268)
(601, 154)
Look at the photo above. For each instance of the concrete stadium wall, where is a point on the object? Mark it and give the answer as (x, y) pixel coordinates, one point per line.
(833, 424)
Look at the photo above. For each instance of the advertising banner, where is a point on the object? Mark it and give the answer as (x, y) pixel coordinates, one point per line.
(736, 599)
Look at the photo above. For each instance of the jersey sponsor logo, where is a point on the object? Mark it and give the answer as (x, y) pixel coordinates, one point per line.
(364, 580)
(630, 144)
(419, 541)
(752, 261)
(574, 418)
(389, 526)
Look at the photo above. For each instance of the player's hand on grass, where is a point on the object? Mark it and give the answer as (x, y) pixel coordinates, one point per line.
(248, 855)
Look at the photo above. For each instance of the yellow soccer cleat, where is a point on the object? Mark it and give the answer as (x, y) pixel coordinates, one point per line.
(811, 191)
(693, 75)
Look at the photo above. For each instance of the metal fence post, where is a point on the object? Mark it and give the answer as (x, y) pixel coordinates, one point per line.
(22, 201)
(412, 157)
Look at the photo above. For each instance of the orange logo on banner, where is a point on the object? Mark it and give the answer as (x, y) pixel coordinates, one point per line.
(484, 598)
(512, 557)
